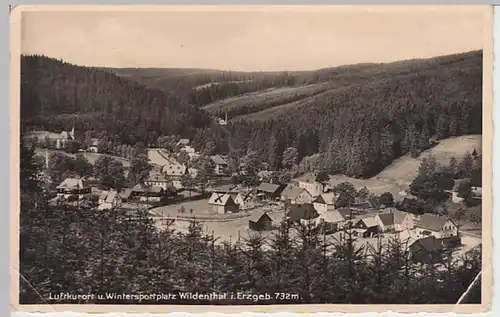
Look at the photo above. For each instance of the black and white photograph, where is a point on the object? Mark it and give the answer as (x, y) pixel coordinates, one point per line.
(252, 155)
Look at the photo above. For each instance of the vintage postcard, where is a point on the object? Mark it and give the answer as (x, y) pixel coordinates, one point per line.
(251, 158)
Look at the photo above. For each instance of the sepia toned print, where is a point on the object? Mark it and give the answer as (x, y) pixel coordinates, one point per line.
(264, 158)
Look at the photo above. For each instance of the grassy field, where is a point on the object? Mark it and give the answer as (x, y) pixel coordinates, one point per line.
(404, 170)
(396, 178)
(266, 98)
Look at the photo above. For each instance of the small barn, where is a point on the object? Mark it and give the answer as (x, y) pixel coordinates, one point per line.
(109, 199)
(222, 204)
(426, 250)
(260, 221)
(268, 191)
(331, 220)
(369, 226)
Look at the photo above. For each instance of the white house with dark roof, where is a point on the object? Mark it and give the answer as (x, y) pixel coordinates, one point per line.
(109, 199)
(260, 221)
(221, 164)
(391, 219)
(435, 225)
(77, 187)
(245, 200)
(222, 204)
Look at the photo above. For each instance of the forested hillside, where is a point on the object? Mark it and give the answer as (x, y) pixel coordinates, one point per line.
(359, 118)
(57, 95)
(359, 129)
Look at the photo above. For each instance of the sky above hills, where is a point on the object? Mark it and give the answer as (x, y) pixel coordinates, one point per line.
(254, 39)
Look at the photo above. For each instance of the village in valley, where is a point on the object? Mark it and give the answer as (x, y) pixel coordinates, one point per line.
(234, 199)
(339, 167)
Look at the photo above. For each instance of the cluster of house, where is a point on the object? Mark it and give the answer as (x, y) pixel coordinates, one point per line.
(426, 235)
(310, 204)
(78, 189)
(232, 199)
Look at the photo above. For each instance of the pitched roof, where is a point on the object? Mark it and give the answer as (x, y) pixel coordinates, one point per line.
(333, 216)
(255, 216)
(218, 160)
(430, 243)
(387, 219)
(431, 222)
(292, 192)
(326, 198)
(407, 236)
(175, 169)
(73, 183)
(220, 199)
(302, 211)
(268, 188)
(392, 215)
(245, 196)
(370, 221)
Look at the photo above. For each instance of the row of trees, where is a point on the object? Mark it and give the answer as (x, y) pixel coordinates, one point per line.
(107, 170)
(434, 180)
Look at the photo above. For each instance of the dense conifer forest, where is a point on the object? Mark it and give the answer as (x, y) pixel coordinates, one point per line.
(77, 250)
(371, 115)
(57, 95)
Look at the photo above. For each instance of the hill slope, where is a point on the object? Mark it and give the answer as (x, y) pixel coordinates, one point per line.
(58, 95)
(403, 170)
(361, 123)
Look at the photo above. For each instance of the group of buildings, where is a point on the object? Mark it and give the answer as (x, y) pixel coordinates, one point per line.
(309, 204)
